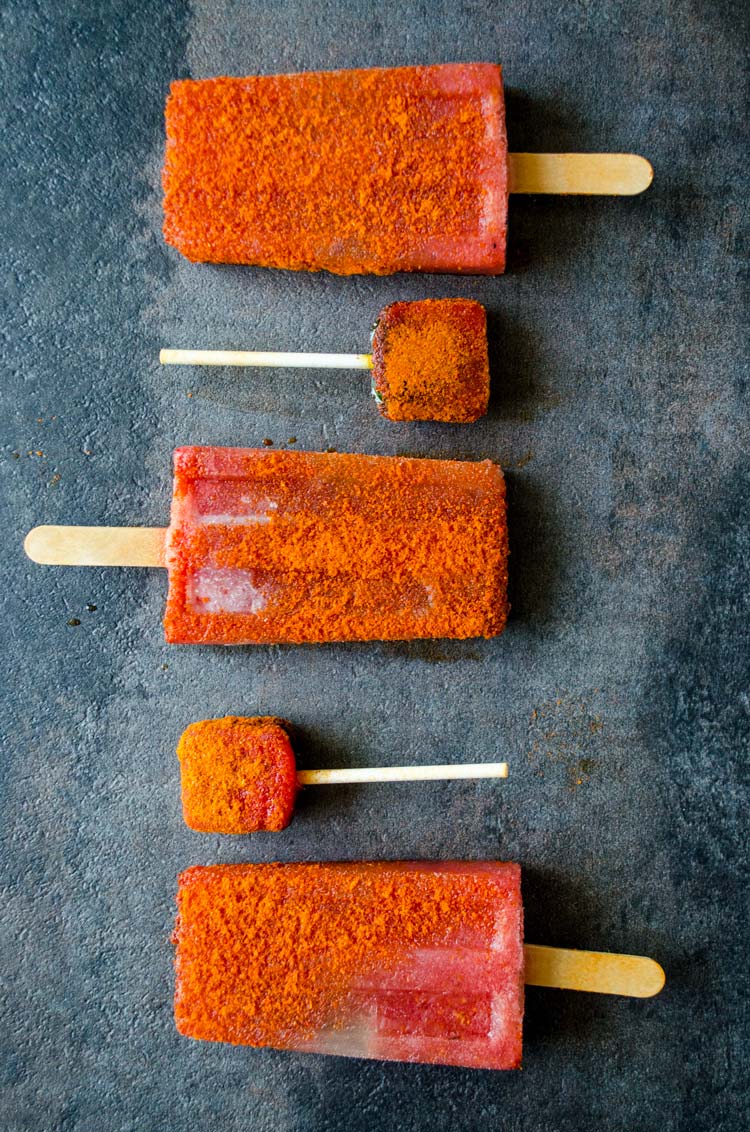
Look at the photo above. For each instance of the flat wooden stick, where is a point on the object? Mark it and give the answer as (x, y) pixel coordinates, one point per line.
(264, 358)
(585, 174)
(402, 773)
(601, 972)
(96, 546)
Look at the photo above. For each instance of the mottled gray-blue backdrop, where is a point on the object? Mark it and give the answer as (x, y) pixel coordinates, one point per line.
(619, 692)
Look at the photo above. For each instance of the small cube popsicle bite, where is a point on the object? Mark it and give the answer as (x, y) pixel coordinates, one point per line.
(375, 170)
(281, 546)
(238, 775)
(403, 961)
(430, 361)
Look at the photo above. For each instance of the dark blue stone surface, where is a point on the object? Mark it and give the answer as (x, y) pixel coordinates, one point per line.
(619, 693)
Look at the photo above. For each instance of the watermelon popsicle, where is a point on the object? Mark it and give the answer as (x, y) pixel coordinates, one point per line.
(429, 360)
(365, 171)
(239, 775)
(401, 961)
(405, 961)
(288, 547)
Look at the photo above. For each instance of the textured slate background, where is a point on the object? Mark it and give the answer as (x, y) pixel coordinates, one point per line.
(619, 691)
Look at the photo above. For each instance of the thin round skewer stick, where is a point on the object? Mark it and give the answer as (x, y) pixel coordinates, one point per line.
(264, 358)
(600, 972)
(402, 773)
(582, 174)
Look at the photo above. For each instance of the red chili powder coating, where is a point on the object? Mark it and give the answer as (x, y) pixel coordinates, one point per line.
(430, 361)
(284, 546)
(238, 775)
(412, 961)
(365, 171)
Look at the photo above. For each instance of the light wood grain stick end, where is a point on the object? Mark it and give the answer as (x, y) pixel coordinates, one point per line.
(580, 174)
(96, 546)
(599, 972)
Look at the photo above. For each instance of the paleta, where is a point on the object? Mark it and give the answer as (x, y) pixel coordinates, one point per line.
(404, 961)
(239, 775)
(429, 360)
(272, 546)
(375, 170)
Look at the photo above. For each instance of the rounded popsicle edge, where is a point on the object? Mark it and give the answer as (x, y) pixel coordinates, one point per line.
(598, 972)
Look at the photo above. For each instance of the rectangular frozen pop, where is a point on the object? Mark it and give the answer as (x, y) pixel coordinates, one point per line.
(280, 546)
(403, 961)
(377, 170)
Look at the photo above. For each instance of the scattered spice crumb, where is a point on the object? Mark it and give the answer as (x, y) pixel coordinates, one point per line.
(164, 667)
(329, 449)
(266, 442)
(190, 394)
(560, 731)
(16, 455)
(91, 607)
(74, 621)
(582, 772)
(55, 480)
(292, 440)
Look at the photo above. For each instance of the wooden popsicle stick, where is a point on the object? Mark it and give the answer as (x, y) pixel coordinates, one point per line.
(96, 546)
(264, 358)
(402, 773)
(600, 972)
(585, 174)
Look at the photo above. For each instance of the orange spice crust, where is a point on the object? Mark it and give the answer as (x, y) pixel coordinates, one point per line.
(238, 775)
(350, 547)
(430, 361)
(269, 954)
(376, 170)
